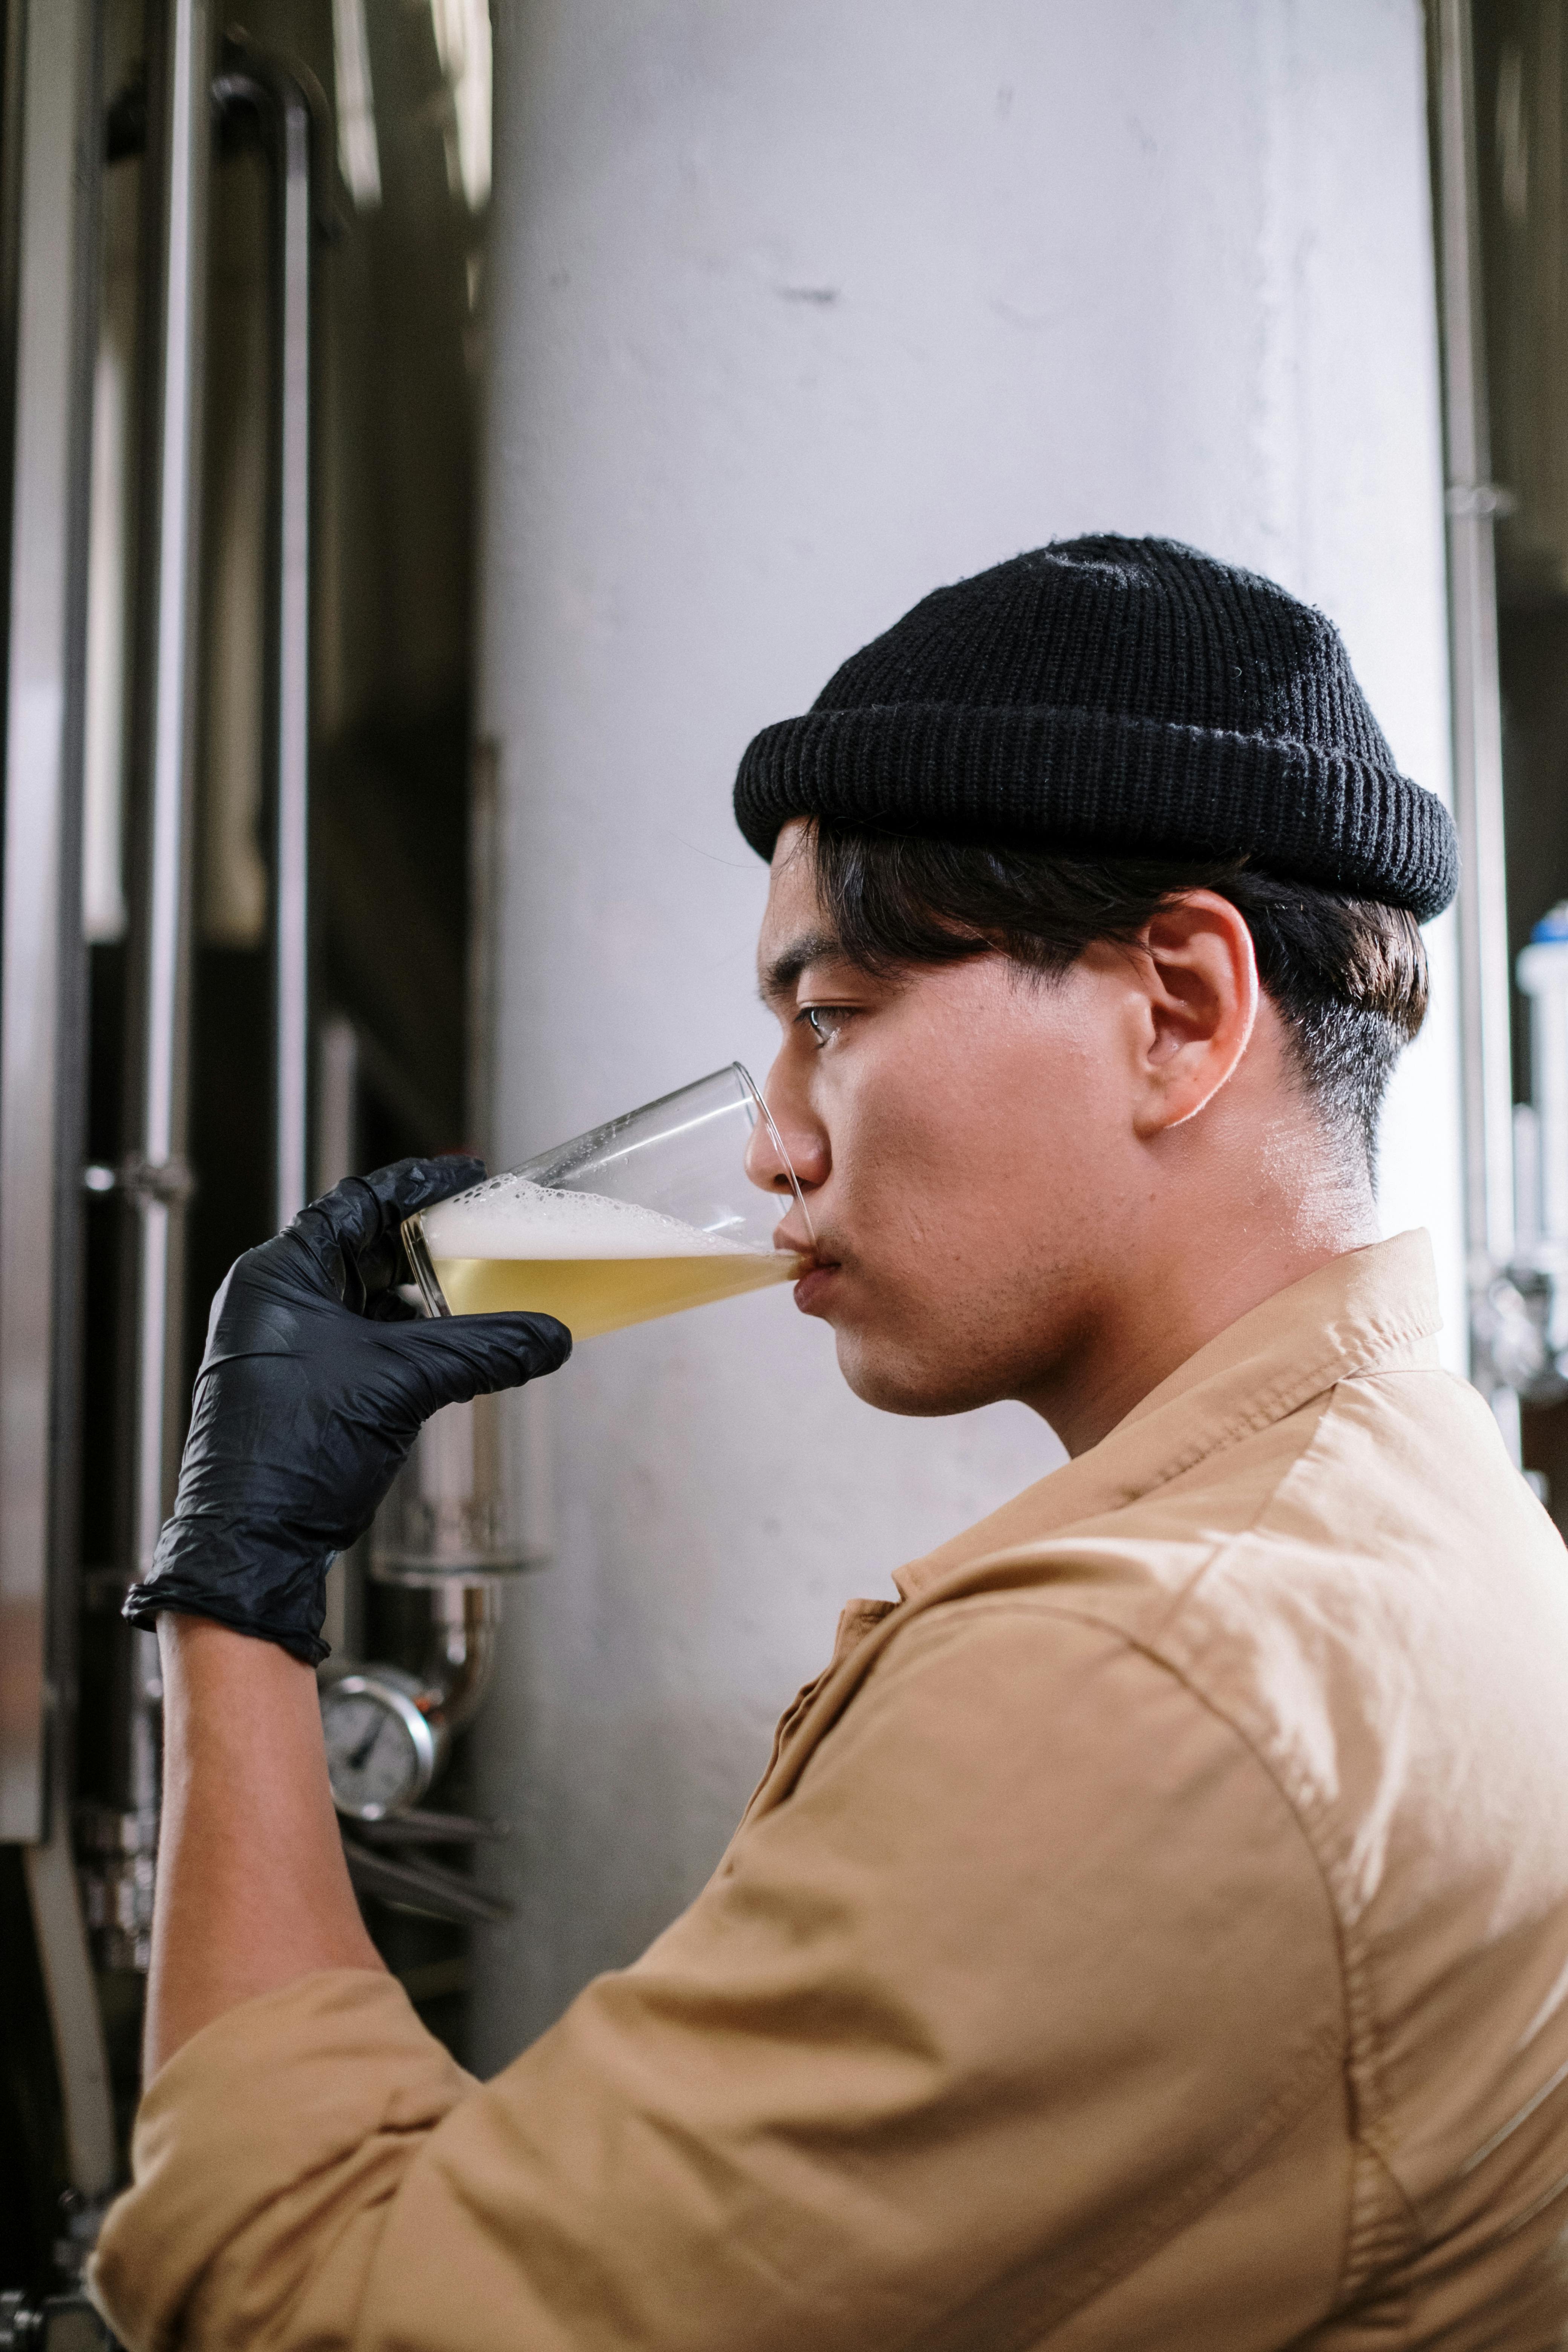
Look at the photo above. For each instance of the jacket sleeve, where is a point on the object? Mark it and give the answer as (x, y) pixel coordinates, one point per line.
(1030, 1981)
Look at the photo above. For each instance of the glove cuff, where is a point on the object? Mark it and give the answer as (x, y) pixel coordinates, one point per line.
(144, 1603)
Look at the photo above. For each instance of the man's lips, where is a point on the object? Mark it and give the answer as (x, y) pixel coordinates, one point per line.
(818, 1265)
(813, 1287)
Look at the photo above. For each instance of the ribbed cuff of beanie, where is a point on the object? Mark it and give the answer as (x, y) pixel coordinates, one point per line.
(1103, 784)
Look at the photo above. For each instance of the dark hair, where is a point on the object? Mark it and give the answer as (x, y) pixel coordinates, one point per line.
(1349, 975)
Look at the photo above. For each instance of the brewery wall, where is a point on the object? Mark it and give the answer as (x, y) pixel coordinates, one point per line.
(797, 309)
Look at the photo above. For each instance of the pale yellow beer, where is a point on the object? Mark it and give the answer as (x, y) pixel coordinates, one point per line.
(597, 1263)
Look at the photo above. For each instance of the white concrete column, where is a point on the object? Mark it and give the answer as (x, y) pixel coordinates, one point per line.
(799, 307)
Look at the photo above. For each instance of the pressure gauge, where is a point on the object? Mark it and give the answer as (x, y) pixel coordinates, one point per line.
(385, 1740)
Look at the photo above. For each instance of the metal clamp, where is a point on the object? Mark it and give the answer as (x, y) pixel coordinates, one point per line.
(168, 1183)
(1484, 501)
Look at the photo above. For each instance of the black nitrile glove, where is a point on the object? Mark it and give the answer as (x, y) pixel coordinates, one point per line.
(315, 1380)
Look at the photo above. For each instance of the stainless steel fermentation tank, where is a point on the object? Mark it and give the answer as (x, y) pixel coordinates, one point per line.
(242, 279)
(61, 126)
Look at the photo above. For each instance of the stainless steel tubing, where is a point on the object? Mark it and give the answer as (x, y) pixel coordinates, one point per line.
(291, 112)
(158, 1196)
(52, 102)
(48, 96)
(187, 151)
(292, 869)
(460, 1658)
(76, 2022)
(417, 1885)
(182, 146)
(1472, 503)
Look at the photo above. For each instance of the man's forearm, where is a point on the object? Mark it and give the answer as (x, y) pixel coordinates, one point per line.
(253, 1891)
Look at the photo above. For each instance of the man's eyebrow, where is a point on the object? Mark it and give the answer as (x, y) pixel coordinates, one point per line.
(778, 976)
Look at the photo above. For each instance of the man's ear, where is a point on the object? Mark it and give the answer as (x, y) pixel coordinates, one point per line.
(1200, 974)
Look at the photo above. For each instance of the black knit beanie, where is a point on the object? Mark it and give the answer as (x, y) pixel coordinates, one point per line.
(1114, 697)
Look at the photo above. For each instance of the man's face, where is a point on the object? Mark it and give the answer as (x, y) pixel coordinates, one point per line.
(965, 1135)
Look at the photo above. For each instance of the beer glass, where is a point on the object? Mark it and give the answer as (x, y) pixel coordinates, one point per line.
(646, 1215)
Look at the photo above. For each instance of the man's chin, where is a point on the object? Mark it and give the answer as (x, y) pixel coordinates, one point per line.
(910, 1380)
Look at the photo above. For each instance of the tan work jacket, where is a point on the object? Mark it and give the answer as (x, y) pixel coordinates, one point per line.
(1152, 1932)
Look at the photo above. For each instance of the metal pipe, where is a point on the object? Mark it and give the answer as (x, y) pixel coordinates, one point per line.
(81, 2058)
(417, 1885)
(293, 712)
(460, 1657)
(1472, 504)
(290, 109)
(48, 76)
(187, 149)
(52, 102)
(157, 1181)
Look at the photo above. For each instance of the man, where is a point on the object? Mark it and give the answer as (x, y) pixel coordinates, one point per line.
(1152, 1930)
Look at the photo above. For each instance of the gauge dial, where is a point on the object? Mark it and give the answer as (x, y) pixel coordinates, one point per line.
(383, 1746)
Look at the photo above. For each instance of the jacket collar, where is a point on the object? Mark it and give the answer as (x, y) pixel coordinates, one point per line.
(1373, 1309)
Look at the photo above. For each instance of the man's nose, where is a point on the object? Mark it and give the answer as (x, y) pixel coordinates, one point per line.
(800, 1135)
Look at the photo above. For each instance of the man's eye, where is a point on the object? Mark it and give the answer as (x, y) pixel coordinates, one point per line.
(825, 1021)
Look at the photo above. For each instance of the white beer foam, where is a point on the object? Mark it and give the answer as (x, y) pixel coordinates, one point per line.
(512, 1217)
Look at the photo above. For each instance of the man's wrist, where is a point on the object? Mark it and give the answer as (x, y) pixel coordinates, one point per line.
(212, 1645)
(253, 1891)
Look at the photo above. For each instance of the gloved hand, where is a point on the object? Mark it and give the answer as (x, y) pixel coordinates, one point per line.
(315, 1380)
